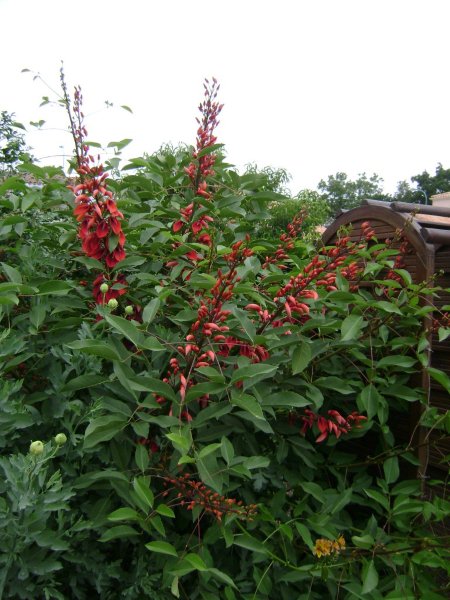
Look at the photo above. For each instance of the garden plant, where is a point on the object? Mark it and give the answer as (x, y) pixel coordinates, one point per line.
(190, 409)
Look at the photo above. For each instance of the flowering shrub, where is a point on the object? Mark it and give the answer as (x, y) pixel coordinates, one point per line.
(229, 404)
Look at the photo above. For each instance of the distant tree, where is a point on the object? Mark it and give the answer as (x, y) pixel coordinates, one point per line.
(12, 143)
(340, 192)
(426, 185)
(268, 179)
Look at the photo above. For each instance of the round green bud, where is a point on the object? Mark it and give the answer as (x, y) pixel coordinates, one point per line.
(60, 439)
(129, 309)
(113, 304)
(36, 448)
(104, 288)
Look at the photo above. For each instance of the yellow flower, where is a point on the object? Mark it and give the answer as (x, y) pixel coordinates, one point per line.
(324, 547)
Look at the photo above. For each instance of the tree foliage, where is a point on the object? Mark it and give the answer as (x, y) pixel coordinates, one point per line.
(342, 193)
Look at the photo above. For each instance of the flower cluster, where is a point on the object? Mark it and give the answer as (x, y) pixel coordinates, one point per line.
(324, 547)
(191, 494)
(287, 240)
(96, 211)
(335, 424)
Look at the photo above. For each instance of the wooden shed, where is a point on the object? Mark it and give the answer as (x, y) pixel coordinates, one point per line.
(427, 229)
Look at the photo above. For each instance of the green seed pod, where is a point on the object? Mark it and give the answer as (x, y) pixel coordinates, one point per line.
(129, 309)
(60, 439)
(104, 288)
(36, 448)
(113, 304)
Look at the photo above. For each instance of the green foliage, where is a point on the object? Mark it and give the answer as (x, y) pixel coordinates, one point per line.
(426, 185)
(12, 143)
(213, 485)
(341, 193)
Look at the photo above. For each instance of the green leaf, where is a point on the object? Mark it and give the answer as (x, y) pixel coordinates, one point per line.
(102, 429)
(314, 490)
(95, 347)
(150, 310)
(301, 358)
(369, 578)
(126, 328)
(391, 469)
(404, 362)
(256, 462)
(223, 577)
(161, 548)
(248, 542)
(370, 399)
(143, 491)
(227, 450)
(57, 288)
(123, 514)
(378, 497)
(440, 377)
(351, 327)
(387, 307)
(120, 531)
(305, 534)
(11, 273)
(259, 371)
(249, 404)
(196, 561)
(286, 398)
(209, 449)
(84, 381)
(165, 511)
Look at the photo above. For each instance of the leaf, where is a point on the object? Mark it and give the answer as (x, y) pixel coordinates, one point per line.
(123, 514)
(301, 358)
(102, 429)
(165, 511)
(150, 310)
(378, 497)
(248, 542)
(249, 372)
(120, 531)
(143, 491)
(249, 404)
(387, 307)
(57, 288)
(227, 450)
(256, 462)
(11, 273)
(404, 362)
(196, 561)
(369, 577)
(441, 377)
(391, 469)
(314, 490)
(125, 107)
(209, 449)
(286, 398)
(305, 535)
(95, 347)
(223, 577)
(126, 328)
(161, 548)
(351, 327)
(370, 399)
(84, 381)
(247, 325)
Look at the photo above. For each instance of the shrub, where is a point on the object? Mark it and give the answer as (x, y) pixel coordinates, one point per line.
(228, 402)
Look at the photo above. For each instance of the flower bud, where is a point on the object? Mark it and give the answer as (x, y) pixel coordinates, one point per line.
(36, 448)
(104, 288)
(60, 439)
(129, 309)
(113, 304)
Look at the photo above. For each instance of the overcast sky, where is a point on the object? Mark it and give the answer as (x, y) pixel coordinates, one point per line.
(313, 86)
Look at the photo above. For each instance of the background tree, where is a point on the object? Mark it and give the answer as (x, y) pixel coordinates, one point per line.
(340, 192)
(426, 185)
(12, 143)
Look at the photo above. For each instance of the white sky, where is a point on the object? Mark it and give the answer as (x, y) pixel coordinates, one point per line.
(314, 86)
